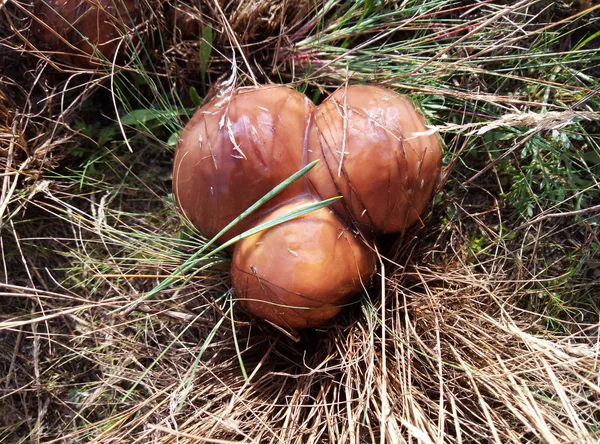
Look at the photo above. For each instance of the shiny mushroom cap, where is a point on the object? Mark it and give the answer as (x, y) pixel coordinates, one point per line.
(365, 137)
(300, 273)
(234, 150)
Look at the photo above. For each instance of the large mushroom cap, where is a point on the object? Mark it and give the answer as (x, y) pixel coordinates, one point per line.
(79, 27)
(300, 273)
(236, 149)
(386, 174)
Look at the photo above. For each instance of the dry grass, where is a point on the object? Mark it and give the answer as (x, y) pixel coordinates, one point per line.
(442, 352)
(483, 326)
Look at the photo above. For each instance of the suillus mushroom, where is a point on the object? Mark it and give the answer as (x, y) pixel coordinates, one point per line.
(184, 21)
(374, 151)
(234, 150)
(300, 273)
(77, 28)
(373, 156)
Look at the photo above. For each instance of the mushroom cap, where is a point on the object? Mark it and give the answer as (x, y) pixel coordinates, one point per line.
(83, 24)
(53, 19)
(387, 175)
(183, 20)
(299, 274)
(236, 149)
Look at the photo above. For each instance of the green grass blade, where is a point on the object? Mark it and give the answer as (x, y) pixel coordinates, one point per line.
(236, 343)
(309, 208)
(205, 50)
(199, 255)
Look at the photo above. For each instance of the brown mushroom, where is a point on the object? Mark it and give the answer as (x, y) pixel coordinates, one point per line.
(300, 273)
(373, 158)
(76, 28)
(234, 150)
(184, 20)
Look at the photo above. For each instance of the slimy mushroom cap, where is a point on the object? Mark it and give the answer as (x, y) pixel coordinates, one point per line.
(236, 149)
(366, 137)
(300, 273)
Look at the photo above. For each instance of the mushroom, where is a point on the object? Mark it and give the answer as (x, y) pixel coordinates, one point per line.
(300, 273)
(77, 28)
(234, 150)
(184, 20)
(372, 156)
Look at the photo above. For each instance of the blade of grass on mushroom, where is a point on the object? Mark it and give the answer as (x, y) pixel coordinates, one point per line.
(279, 220)
(200, 256)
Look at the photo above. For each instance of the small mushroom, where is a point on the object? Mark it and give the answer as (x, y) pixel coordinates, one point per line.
(300, 273)
(372, 156)
(76, 28)
(184, 20)
(234, 150)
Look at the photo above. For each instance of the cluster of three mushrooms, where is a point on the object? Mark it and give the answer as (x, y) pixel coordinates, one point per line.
(373, 152)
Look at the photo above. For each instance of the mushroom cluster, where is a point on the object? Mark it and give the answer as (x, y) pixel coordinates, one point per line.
(374, 151)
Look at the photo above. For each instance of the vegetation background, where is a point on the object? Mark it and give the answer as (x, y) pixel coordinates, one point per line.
(483, 325)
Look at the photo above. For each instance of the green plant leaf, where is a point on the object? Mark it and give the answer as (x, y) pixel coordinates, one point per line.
(143, 116)
(205, 50)
(195, 97)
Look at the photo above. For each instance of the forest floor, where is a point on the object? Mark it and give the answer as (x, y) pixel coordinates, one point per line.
(484, 321)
